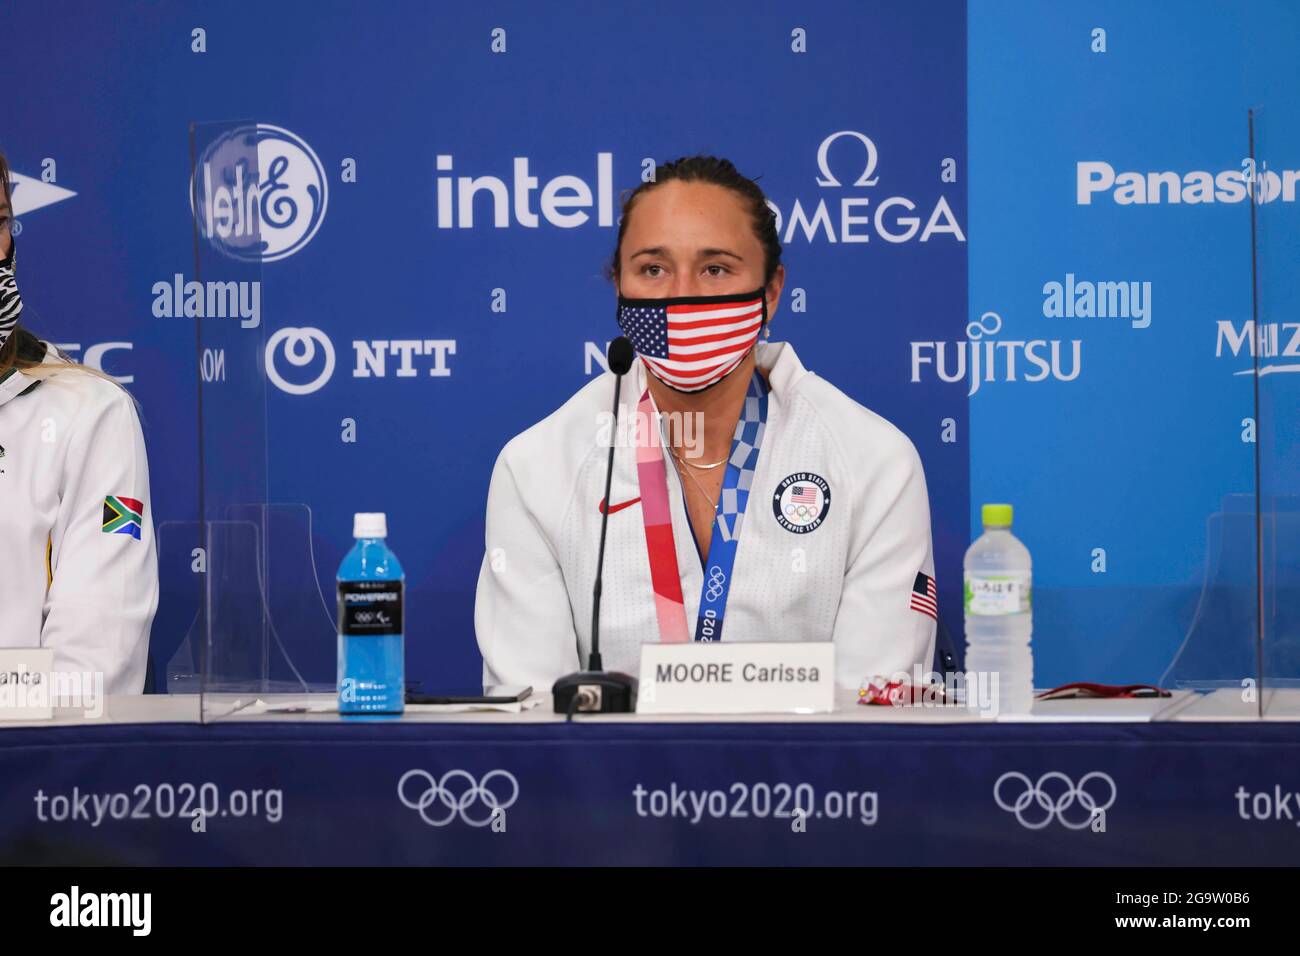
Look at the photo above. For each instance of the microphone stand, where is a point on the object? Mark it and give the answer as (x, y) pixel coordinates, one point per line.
(594, 690)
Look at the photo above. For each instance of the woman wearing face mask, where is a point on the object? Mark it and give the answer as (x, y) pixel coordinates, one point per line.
(768, 505)
(78, 569)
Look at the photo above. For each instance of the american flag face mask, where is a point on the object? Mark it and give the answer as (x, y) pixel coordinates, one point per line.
(692, 342)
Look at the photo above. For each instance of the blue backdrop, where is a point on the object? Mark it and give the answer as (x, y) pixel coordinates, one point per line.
(488, 310)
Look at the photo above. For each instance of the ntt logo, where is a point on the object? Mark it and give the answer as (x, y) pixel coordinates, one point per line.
(298, 346)
(300, 361)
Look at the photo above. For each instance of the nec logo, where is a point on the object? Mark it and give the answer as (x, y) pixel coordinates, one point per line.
(93, 356)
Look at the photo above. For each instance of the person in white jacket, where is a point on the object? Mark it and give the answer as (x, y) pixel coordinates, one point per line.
(78, 565)
(763, 504)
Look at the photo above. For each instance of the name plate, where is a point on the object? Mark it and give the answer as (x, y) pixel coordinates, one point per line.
(727, 677)
(25, 675)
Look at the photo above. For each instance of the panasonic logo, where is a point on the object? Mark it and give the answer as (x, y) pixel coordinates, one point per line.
(1198, 186)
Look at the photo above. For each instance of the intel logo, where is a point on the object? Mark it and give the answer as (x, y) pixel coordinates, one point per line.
(261, 193)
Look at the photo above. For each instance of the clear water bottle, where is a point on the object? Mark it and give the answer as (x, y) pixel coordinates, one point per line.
(371, 592)
(999, 618)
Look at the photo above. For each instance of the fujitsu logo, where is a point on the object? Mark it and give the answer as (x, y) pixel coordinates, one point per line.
(981, 359)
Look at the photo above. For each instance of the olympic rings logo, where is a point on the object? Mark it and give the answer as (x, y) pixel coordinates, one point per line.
(802, 512)
(457, 794)
(717, 580)
(1056, 806)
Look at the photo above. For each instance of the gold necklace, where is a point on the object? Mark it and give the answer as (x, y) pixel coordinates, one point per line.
(700, 488)
(693, 465)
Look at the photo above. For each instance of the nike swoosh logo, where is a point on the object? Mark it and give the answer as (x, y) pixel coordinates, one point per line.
(618, 507)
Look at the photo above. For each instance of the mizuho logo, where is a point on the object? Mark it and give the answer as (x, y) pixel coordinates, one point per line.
(299, 350)
(260, 194)
(1055, 797)
(1268, 340)
(458, 794)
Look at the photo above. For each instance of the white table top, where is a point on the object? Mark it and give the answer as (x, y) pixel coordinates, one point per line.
(1231, 704)
(186, 708)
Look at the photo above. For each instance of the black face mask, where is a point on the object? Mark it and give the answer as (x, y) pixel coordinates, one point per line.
(11, 303)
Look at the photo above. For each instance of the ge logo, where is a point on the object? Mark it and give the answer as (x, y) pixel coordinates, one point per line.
(299, 350)
(717, 580)
(260, 194)
(459, 794)
(1054, 796)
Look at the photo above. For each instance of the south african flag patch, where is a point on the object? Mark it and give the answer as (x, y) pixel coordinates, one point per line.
(123, 515)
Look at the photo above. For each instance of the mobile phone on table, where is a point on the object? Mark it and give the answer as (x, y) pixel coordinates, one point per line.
(500, 694)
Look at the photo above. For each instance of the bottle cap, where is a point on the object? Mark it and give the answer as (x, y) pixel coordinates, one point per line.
(370, 524)
(997, 516)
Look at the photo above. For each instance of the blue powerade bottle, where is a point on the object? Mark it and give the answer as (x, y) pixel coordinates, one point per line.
(372, 654)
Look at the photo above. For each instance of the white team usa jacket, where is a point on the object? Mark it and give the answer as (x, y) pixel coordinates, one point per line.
(845, 573)
(78, 566)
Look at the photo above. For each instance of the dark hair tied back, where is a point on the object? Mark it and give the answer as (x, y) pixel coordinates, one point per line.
(719, 172)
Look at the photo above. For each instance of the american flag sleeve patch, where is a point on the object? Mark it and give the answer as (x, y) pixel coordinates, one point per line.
(925, 596)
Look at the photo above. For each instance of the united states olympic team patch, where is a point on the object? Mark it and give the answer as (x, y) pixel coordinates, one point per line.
(801, 502)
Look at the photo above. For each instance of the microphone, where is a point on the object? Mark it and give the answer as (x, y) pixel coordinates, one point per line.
(594, 690)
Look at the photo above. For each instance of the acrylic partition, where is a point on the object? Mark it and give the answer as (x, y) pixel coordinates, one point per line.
(1276, 265)
(265, 630)
(1244, 642)
(1119, 437)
